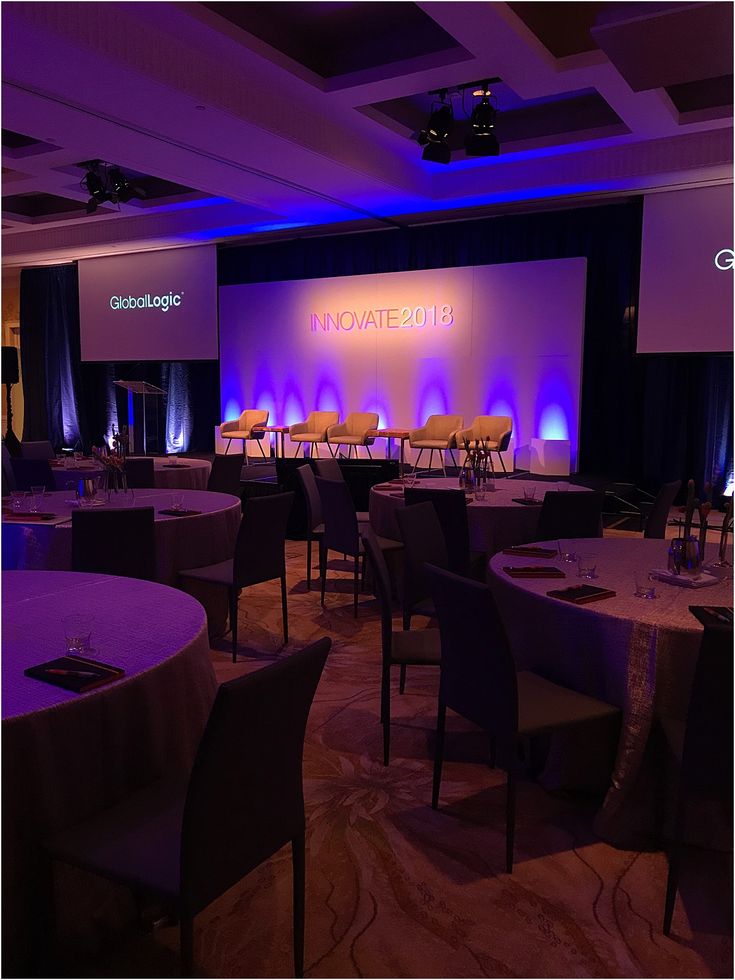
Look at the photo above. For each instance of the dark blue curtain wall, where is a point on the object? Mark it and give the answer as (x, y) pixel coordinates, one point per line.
(76, 404)
(646, 419)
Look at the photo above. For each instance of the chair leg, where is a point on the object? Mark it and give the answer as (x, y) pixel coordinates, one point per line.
(454, 461)
(418, 459)
(314, 450)
(502, 463)
(233, 596)
(672, 884)
(298, 859)
(229, 443)
(284, 606)
(329, 447)
(186, 944)
(385, 711)
(441, 457)
(260, 447)
(441, 716)
(431, 459)
(357, 581)
(370, 455)
(308, 562)
(510, 821)
(323, 567)
(402, 681)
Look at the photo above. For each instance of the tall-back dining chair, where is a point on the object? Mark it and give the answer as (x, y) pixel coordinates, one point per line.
(479, 682)
(401, 647)
(187, 842)
(114, 542)
(139, 472)
(41, 449)
(259, 556)
(224, 477)
(570, 514)
(423, 542)
(313, 430)
(29, 473)
(328, 468)
(492, 432)
(659, 514)
(353, 432)
(704, 745)
(451, 509)
(8, 482)
(342, 532)
(245, 428)
(314, 519)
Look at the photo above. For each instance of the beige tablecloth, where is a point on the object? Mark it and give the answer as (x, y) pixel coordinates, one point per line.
(67, 756)
(494, 524)
(181, 542)
(637, 654)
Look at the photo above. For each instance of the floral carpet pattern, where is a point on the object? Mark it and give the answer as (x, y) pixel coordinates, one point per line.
(395, 889)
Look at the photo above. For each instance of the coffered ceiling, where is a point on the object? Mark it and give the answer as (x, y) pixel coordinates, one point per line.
(253, 120)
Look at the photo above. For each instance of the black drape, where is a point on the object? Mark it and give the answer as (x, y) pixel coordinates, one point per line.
(619, 390)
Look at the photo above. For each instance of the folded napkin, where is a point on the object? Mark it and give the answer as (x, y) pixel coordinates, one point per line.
(179, 513)
(529, 552)
(533, 571)
(526, 503)
(700, 581)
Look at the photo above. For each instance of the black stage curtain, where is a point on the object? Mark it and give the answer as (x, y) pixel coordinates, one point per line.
(644, 419)
(74, 403)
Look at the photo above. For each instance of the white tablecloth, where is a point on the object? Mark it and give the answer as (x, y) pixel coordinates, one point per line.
(637, 654)
(65, 755)
(187, 474)
(494, 524)
(181, 542)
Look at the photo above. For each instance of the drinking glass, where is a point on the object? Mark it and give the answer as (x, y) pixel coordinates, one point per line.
(529, 493)
(480, 492)
(409, 479)
(564, 553)
(37, 498)
(177, 501)
(644, 587)
(77, 631)
(587, 566)
(17, 500)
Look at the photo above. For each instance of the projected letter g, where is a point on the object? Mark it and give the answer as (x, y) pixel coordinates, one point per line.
(114, 302)
(725, 259)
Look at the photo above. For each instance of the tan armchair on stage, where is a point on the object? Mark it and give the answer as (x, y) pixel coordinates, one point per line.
(491, 431)
(354, 432)
(438, 433)
(242, 428)
(313, 430)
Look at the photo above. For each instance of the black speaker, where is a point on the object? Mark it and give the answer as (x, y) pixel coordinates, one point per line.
(10, 375)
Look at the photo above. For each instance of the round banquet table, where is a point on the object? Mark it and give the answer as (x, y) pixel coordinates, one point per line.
(67, 756)
(181, 542)
(188, 474)
(638, 654)
(494, 524)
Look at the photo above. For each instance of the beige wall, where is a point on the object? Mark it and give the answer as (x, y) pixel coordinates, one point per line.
(11, 338)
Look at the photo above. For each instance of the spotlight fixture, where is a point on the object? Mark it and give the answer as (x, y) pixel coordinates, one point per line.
(481, 140)
(435, 137)
(104, 182)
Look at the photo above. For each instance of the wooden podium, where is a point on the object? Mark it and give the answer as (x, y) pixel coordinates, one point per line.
(142, 415)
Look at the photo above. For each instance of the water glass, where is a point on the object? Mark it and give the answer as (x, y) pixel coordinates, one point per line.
(529, 493)
(77, 632)
(587, 566)
(644, 587)
(480, 492)
(36, 499)
(17, 500)
(409, 479)
(177, 501)
(564, 554)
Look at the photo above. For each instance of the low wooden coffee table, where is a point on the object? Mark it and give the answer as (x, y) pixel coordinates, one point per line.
(390, 435)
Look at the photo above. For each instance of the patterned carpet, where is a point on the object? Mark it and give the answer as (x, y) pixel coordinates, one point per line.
(395, 889)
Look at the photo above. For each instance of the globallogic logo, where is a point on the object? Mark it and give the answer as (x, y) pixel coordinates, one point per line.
(163, 302)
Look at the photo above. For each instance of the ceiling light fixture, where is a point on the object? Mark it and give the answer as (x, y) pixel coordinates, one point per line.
(104, 182)
(435, 137)
(481, 139)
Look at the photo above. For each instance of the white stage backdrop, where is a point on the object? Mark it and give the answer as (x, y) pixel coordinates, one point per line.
(480, 340)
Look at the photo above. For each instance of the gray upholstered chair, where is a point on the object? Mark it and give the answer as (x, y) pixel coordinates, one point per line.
(439, 433)
(314, 429)
(354, 432)
(492, 432)
(242, 428)
(42, 449)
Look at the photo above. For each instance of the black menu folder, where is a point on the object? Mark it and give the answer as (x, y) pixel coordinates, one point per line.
(580, 594)
(75, 673)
